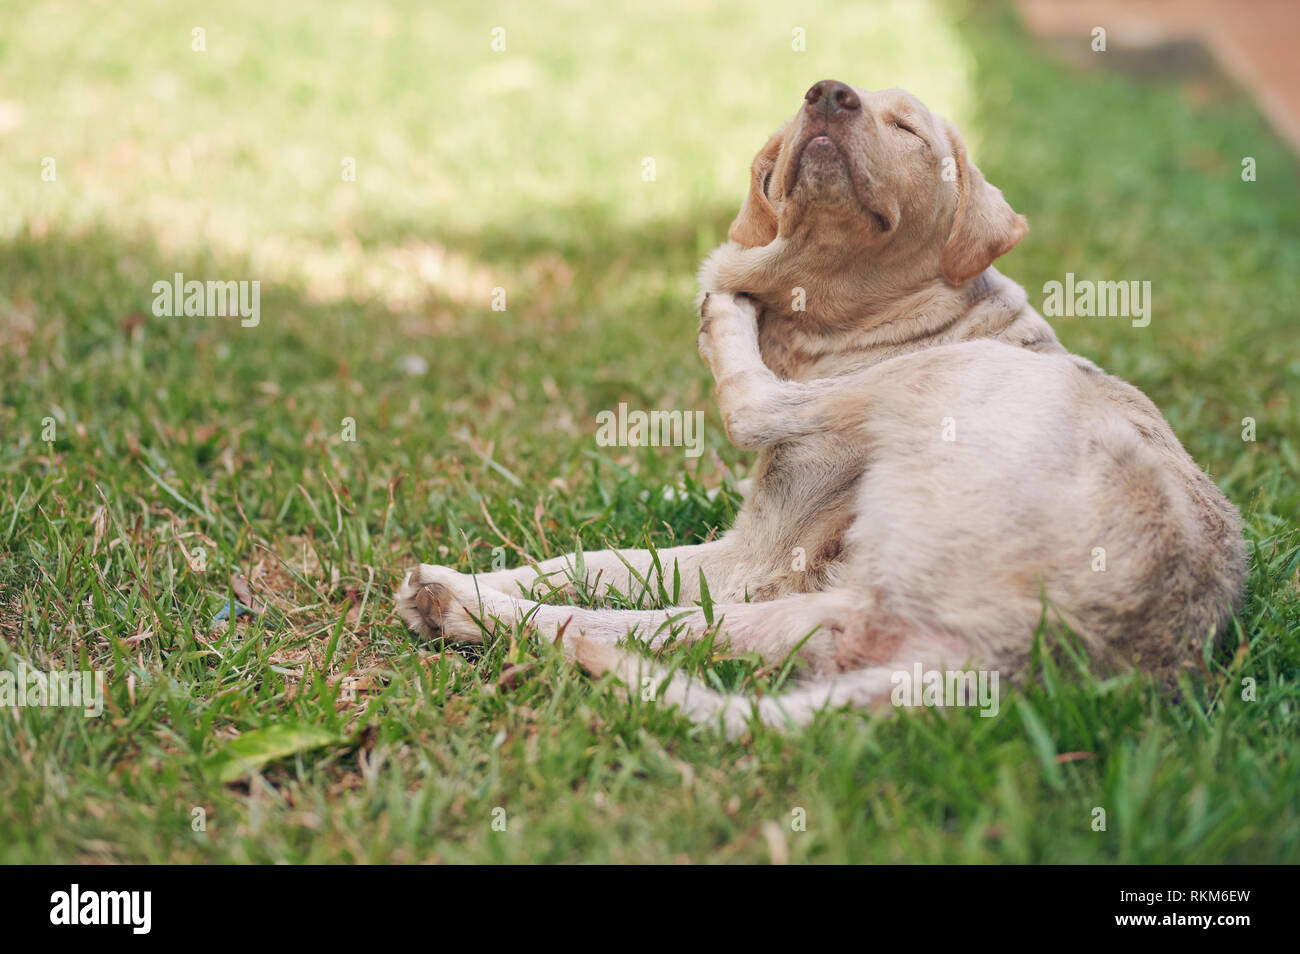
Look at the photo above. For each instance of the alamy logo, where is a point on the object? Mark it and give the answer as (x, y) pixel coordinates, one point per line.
(653, 429)
(946, 688)
(59, 688)
(102, 907)
(1088, 299)
(195, 299)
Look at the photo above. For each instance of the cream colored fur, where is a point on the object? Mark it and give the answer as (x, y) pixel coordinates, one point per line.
(945, 467)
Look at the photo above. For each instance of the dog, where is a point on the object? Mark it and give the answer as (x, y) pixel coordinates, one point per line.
(936, 476)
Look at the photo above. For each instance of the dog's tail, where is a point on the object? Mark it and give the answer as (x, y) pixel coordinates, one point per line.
(861, 689)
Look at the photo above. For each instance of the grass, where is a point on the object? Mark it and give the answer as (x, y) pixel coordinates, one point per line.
(185, 452)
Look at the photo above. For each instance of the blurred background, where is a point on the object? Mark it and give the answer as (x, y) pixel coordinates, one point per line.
(219, 153)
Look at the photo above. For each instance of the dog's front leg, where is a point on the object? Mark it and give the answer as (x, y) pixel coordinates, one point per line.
(629, 572)
(440, 603)
(758, 408)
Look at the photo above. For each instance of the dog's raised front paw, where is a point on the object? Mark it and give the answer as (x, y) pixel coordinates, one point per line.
(723, 315)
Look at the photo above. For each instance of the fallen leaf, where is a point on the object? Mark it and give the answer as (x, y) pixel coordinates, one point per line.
(252, 750)
(1073, 756)
(138, 638)
(512, 675)
(245, 593)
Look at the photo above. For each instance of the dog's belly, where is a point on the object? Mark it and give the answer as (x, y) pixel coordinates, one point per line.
(793, 530)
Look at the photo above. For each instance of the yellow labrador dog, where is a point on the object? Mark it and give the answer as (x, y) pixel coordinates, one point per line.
(935, 471)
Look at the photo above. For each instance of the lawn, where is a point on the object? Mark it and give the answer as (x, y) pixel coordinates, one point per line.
(383, 412)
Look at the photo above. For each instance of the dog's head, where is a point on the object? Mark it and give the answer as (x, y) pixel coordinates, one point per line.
(861, 180)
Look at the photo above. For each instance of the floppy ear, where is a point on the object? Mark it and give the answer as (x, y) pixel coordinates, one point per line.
(984, 227)
(756, 224)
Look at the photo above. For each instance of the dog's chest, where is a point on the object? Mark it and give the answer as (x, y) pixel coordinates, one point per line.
(795, 350)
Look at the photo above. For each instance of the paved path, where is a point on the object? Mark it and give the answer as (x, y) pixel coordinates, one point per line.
(1254, 41)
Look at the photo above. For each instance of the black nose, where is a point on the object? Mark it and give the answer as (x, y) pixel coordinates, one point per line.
(832, 96)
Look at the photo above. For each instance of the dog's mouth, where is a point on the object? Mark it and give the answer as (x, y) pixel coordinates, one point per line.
(819, 156)
(816, 147)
